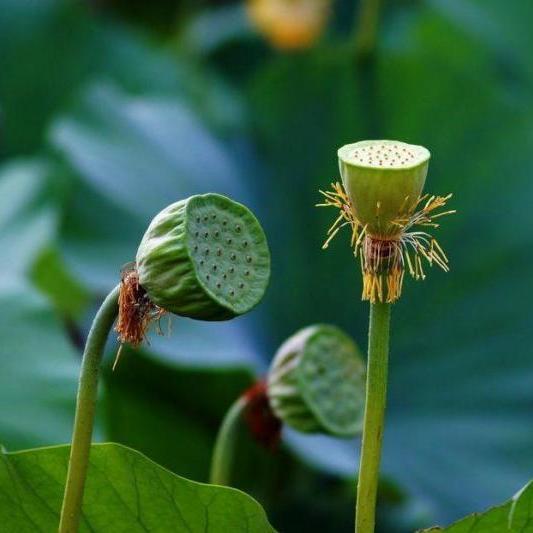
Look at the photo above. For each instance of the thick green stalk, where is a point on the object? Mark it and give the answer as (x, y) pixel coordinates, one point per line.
(224, 451)
(376, 396)
(85, 408)
(366, 28)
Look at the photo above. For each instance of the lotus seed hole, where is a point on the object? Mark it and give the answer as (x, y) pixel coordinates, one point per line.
(388, 155)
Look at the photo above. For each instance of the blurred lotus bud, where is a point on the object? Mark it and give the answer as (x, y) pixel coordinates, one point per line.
(316, 382)
(289, 24)
(205, 257)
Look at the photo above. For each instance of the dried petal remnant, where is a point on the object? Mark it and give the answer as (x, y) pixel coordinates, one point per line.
(136, 311)
(264, 425)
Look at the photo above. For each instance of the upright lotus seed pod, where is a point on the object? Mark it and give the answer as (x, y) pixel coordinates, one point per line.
(205, 257)
(316, 382)
(381, 200)
(383, 181)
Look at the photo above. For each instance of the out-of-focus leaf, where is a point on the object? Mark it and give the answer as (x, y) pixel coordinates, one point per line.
(27, 221)
(50, 275)
(51, 49)
(169, 411)
(138, 151)
(125, 492)
(215, 27)
(514, 516)
(39, 372)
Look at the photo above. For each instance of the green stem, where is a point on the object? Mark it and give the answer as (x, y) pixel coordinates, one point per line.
(85, 408)
(376, 396)
(366, 28)
(224, 451)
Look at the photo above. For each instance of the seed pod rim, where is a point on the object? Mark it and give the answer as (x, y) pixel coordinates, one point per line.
(343, 155)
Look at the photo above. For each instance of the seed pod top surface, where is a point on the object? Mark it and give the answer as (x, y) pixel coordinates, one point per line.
(317, 382)
(205, 257)
(384, 180)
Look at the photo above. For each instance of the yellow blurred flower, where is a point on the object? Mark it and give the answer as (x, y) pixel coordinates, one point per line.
(289, 24)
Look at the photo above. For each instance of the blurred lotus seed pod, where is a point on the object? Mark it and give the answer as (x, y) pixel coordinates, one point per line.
(383, 180)
(316, 382)
(289, 24)
(205, 257)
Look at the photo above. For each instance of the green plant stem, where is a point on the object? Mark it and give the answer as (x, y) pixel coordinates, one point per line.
(85, 409)
(366, 28)
(224, 451)
(376, 396)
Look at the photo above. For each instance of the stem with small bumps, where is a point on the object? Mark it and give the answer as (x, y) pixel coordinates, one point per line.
(85, 410)
(376, 395)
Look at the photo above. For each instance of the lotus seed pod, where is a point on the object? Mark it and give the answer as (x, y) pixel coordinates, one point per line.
(316, 382)
(384, 180)
(205, 257)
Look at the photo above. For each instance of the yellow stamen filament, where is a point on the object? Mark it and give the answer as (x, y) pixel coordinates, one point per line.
(384, 257)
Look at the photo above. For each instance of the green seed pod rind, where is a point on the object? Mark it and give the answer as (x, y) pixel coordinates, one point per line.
(383, 190)
(205, 257)
(316, 382)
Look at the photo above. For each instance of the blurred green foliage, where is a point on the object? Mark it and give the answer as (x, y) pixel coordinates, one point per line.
(110, 113)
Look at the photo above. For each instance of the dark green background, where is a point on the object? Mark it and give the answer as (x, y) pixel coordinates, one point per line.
(110, 110)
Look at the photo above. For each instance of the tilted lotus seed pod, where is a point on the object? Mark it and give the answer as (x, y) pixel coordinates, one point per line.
(381, 200)
(316, 382)
(205, 257)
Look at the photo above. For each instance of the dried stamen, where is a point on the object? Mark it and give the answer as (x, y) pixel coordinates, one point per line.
(384, 257)
(136, 312)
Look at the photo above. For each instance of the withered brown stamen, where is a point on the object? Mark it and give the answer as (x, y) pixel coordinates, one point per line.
(136, 311)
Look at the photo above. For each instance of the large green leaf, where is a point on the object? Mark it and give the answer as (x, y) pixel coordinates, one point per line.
(514, 516)
(125, 492)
